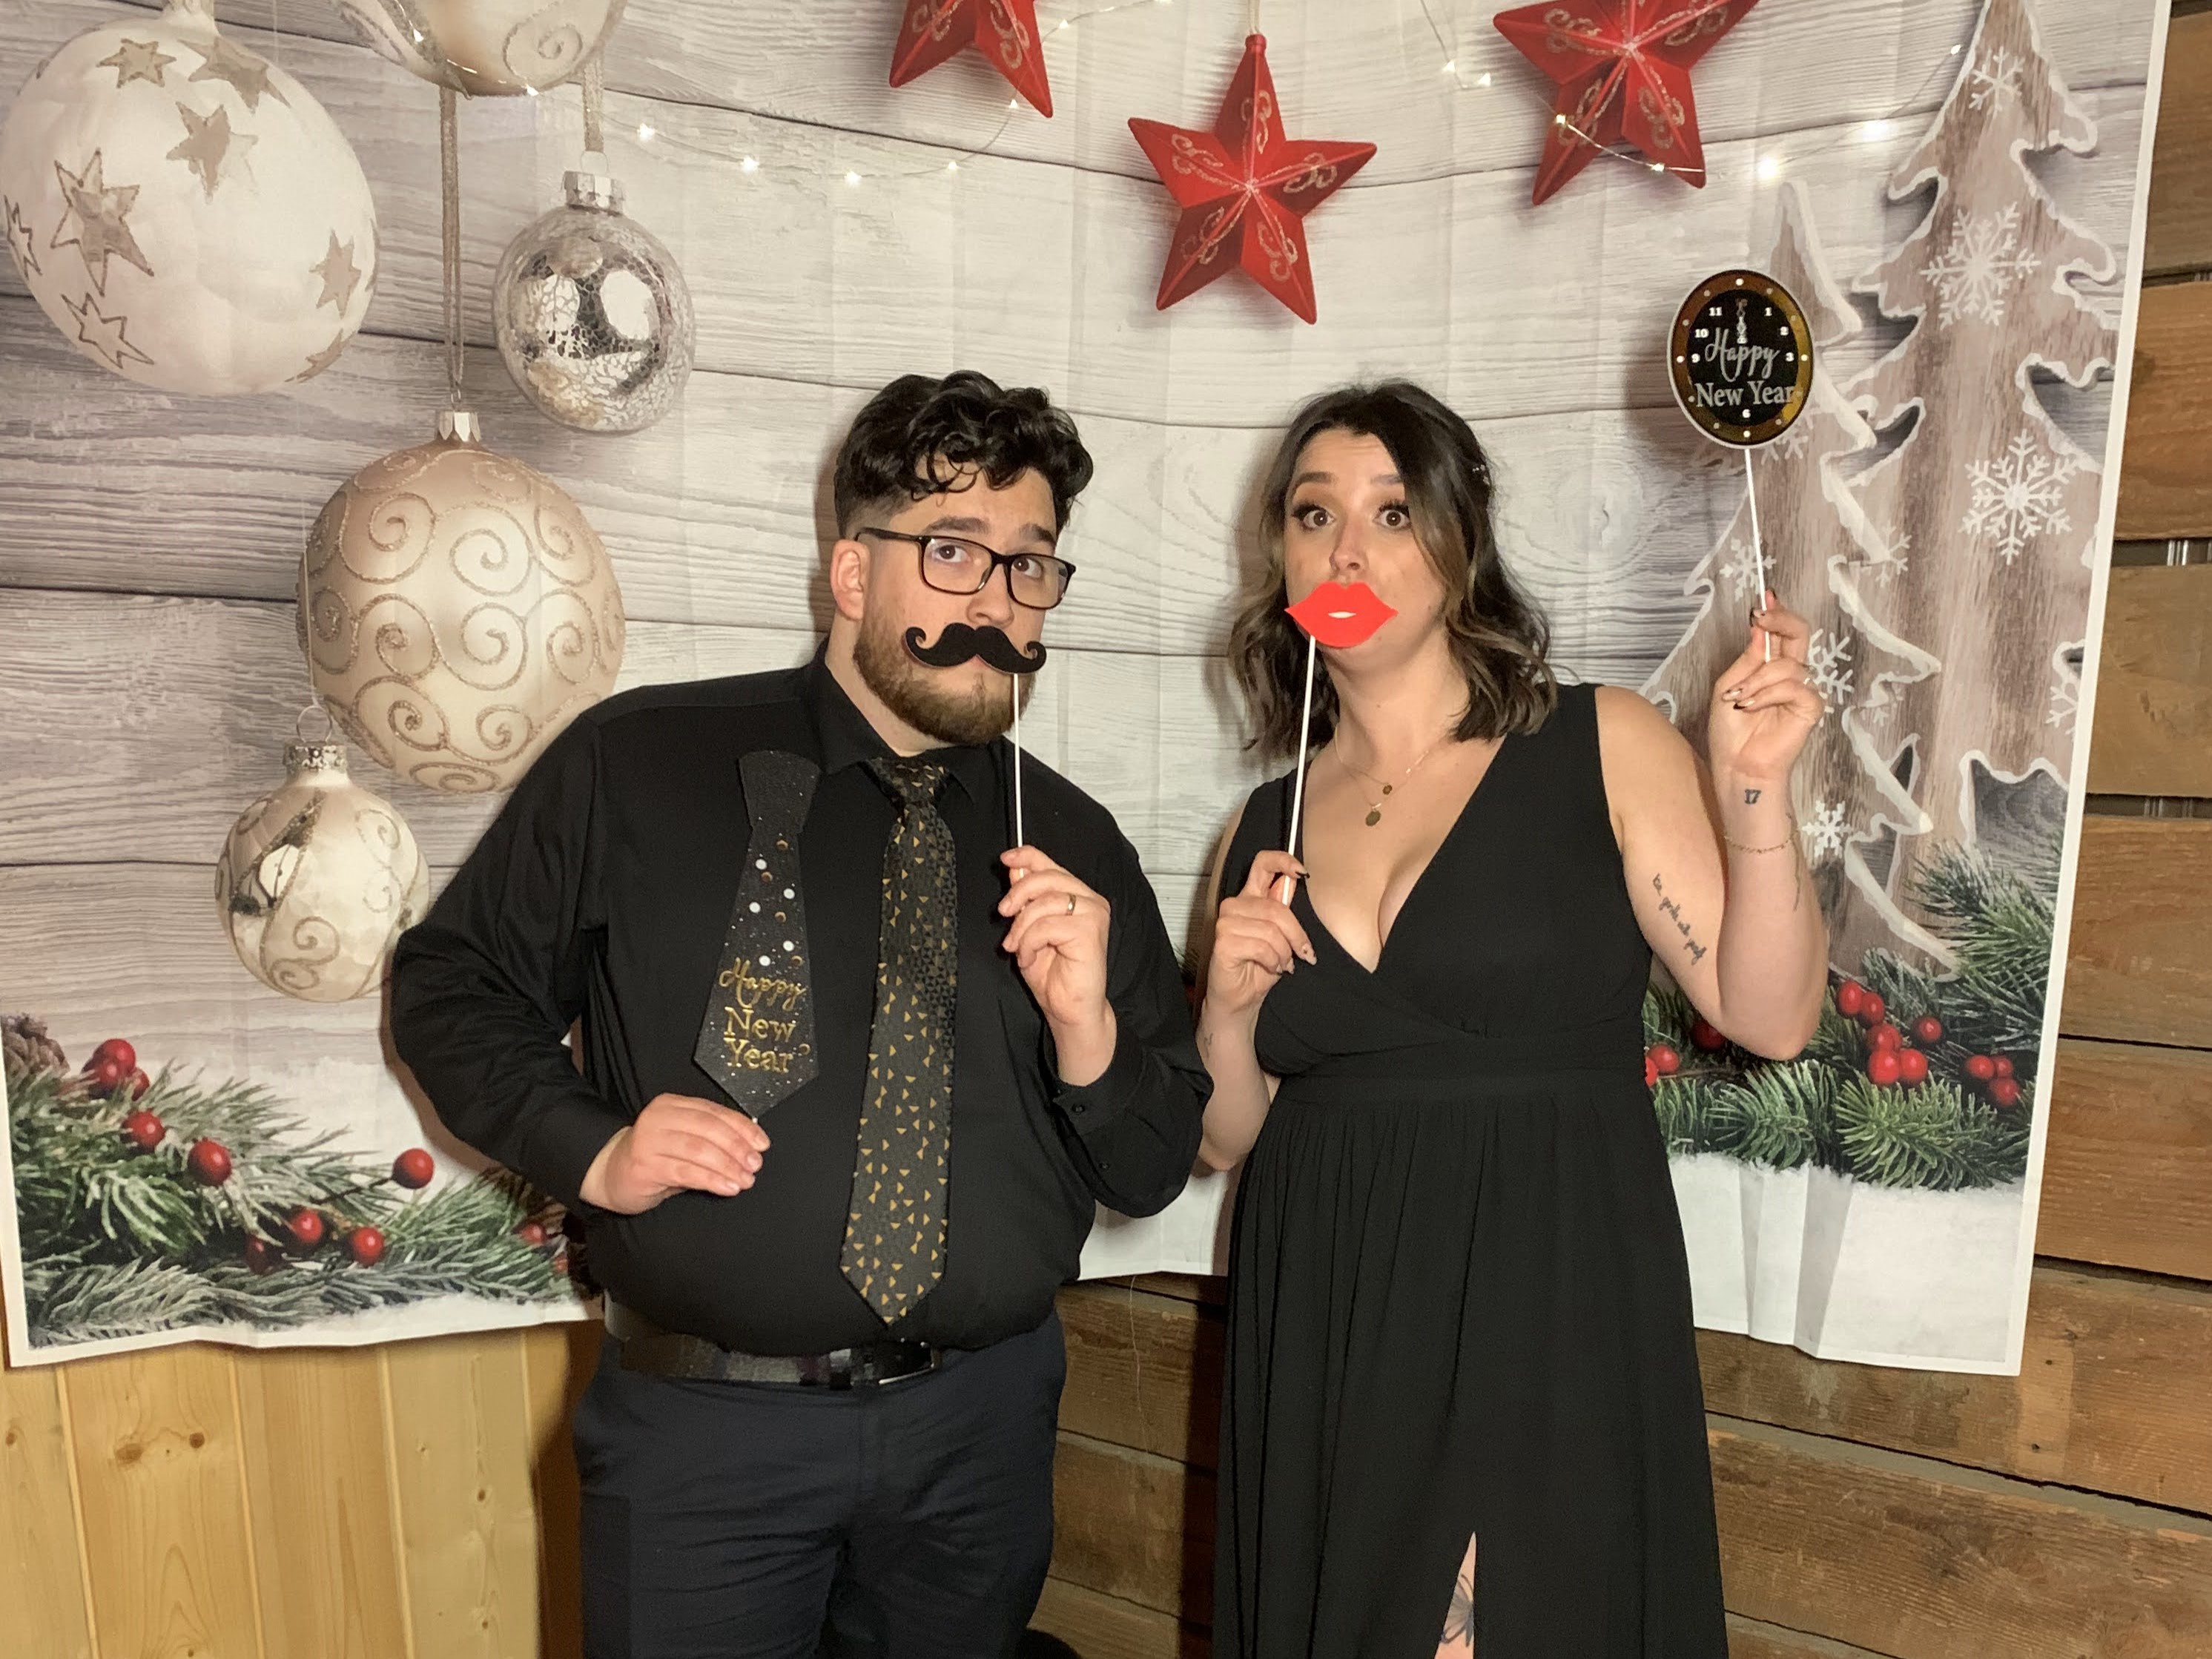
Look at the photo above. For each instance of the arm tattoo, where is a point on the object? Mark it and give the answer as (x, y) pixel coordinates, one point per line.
(1673, 912)
(1751, 797)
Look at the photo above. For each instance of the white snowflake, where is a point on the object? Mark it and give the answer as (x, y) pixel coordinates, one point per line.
(1828, 656)
(1995, 81)
(1742, 569)
(2065, 703)
(1979, 265)
(2018, 496)
(1824, 836)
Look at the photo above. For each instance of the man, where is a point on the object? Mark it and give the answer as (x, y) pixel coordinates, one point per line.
(823, 1415)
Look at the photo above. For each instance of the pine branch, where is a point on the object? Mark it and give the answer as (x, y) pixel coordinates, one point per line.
(1773, 1117)
(1687, 1107)
(1930, 1135)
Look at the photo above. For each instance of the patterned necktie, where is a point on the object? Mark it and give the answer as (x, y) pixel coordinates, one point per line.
(757, 1037)
(894, 1250)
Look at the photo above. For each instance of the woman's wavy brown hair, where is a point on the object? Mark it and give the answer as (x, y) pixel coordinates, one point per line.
(1498, 638)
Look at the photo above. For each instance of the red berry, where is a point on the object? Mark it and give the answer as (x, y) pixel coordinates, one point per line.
(1665, 1057)
(260, 1256)
(1885, 1066)
(1911, 1067)
(1885, 1036)
(2005, 1091)
(145, 1129)
(305, 1228)
(106, 1076)
(1707, 1035)
(533, 1233)
(1981, 1067)
(139, 1083)
(210, 1160)
(1927, 1029)
(1872, 1008)
(413, 1167)
(366, 1245)
(2003, 1063)
(115, 1048)
(1850, 997)
(1651, 1073)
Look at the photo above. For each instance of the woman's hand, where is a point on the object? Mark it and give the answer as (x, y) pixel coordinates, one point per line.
(1763, 712)
(1256, 938)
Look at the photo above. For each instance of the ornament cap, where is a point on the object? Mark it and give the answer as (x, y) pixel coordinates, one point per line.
(593, 190)
(315, 757)
(459, 426)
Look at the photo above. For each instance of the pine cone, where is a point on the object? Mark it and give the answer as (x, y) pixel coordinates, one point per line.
(28, 1050)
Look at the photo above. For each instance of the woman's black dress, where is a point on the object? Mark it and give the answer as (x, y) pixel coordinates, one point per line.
(1458, 1301)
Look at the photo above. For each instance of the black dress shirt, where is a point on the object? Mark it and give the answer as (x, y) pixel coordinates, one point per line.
(602, 892)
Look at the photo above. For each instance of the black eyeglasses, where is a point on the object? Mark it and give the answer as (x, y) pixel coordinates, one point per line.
(953, 564)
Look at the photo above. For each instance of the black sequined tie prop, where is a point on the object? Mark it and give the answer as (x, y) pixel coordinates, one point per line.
(894, 1228)
(757, 1037)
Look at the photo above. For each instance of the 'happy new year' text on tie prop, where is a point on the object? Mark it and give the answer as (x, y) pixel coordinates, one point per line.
(757, 1038)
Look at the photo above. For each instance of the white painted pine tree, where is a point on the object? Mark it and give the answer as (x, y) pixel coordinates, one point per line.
(1812, 527)
(1983, 520)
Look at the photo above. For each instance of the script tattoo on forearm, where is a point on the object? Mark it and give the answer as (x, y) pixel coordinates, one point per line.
(1673, 912)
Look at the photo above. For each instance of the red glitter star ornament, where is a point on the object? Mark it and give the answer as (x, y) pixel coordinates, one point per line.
(1003, 31)
(1623, 70)
(1245, 190)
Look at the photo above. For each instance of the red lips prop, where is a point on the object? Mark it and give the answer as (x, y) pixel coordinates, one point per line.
(1340, 614)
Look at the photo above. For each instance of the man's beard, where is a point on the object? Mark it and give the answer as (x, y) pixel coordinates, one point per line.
(921, 696)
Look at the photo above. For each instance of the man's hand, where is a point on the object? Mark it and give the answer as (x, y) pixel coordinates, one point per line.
(1059, 941)
(678, 1144)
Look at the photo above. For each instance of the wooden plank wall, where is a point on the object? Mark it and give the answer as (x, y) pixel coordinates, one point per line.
(2061, 1514)
(418, 1500)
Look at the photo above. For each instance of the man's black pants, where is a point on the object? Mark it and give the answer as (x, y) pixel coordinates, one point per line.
(906, 1520)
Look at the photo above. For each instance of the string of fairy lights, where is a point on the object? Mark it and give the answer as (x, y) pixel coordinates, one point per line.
(1465, 79)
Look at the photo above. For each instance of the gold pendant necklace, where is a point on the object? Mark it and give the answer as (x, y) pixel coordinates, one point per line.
(1375, 805)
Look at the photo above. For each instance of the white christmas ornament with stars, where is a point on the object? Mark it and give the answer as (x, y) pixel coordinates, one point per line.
(184, 210)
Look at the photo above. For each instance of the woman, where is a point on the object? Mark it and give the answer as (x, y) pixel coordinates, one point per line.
(1459, 1312)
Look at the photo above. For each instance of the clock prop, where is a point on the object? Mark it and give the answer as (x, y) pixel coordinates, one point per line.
(1337, 614)
(1740, 358)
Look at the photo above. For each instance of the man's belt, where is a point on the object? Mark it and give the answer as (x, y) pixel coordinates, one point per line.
(646, 1347)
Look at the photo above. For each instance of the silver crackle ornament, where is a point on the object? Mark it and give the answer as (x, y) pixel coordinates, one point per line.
(591, 314)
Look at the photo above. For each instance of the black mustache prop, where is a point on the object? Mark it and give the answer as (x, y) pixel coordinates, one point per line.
(960, 643)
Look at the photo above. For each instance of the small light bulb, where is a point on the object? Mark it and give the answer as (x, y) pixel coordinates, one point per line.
(852, 177)
(1013, 103)
(1451, 66)
(1658, 167)
(751, 164)
(645, 131)
(1770, 168)
(1559, 120)
(1483, 79)
(952, 166)
(532, 90)
(1875, 131)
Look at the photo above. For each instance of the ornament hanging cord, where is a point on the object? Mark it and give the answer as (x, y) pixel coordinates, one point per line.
(595, 106)
(1298, 777)
(449, 156)
(1758, 554)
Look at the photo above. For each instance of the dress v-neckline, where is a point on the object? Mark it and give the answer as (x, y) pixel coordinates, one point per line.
(1312, 917)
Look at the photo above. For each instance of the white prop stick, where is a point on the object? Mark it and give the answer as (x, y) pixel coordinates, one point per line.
(1758, 557)
(1298, 780)
(1019, 840)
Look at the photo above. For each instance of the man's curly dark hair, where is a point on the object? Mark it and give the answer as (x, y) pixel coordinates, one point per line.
(921, 436)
